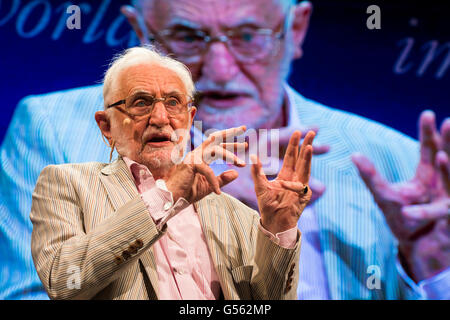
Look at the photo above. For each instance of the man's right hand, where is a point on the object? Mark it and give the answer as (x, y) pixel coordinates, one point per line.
(193, 179)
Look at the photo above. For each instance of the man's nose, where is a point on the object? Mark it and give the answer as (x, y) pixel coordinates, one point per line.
(159, 116)
(219, 64)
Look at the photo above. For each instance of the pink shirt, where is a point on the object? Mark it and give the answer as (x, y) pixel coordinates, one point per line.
(184, 265)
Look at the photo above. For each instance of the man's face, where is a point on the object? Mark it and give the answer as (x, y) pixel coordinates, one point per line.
(235, 93)
(148, 139)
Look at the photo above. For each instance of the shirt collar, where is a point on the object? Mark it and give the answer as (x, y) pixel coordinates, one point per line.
(139, 171)
(292, 112)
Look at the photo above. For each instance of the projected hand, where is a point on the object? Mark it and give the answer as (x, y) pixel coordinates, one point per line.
(417, 211)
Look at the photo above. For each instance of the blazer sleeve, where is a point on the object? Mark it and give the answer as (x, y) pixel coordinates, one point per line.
(272, 271)
(275, 275)
(73, 263)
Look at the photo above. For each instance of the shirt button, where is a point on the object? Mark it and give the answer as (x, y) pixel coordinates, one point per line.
(178, 271)
(167, 205)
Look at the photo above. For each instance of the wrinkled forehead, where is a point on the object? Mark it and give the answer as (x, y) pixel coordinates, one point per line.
(214, 14)
(150, 78)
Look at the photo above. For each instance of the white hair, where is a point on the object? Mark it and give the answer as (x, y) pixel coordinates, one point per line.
(146, 55)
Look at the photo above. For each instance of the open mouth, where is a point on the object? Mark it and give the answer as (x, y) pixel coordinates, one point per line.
(159, 139)
(223, 99)
(221, 95)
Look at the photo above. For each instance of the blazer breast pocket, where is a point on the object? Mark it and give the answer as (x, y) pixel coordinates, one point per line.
(242, 276)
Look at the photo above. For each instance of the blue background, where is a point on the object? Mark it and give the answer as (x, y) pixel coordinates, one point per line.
(345, 65)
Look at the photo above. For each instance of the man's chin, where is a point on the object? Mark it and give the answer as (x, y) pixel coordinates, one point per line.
(157, 156)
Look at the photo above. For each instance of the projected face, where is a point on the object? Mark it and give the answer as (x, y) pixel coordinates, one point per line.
(238, 51)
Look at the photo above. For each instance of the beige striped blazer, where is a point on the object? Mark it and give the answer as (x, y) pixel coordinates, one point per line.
(86, 216)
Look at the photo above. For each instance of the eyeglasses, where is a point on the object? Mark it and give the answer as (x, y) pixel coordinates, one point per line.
(141, 104)
(247, 44)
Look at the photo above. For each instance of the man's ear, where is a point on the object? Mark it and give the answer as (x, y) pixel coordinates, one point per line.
(193, 112)
(136, 21)
(103, 123)
(302, 13)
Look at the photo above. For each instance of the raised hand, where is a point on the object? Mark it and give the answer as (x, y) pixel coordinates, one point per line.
(193, 179)
(417, 211)
(243, 188)
(282, 200)
(284, 136)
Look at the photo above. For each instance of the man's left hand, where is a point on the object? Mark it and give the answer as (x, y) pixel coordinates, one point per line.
(282, 201)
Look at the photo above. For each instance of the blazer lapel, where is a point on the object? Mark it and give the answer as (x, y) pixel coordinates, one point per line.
(118, 183)
(120, 187)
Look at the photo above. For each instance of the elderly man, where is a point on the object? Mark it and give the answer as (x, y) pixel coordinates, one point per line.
(387, 241)
(143, 217)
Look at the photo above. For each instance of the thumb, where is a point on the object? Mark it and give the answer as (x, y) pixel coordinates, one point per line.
(372, 179)
(226, 177)
(259, 178)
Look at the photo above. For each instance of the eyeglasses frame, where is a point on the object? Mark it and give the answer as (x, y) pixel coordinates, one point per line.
(159, 36)
(156, 100)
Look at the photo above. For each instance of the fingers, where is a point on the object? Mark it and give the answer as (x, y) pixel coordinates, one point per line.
(218, 152)
(285, 134)
(320, 149)
(290, 158)
(223, 136)
(445, 136)
(372, 179)
(428, 136)
(210, 150)
(215, 183)
(304, 169)
(236, 147)
(443, 164)
(297, 187)
(208, 173)
(259, 178)
(317, 188)
(309, 138)
(303, 166)
(226, 177)
(132, 16)
(130, 13)
(429, 211)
